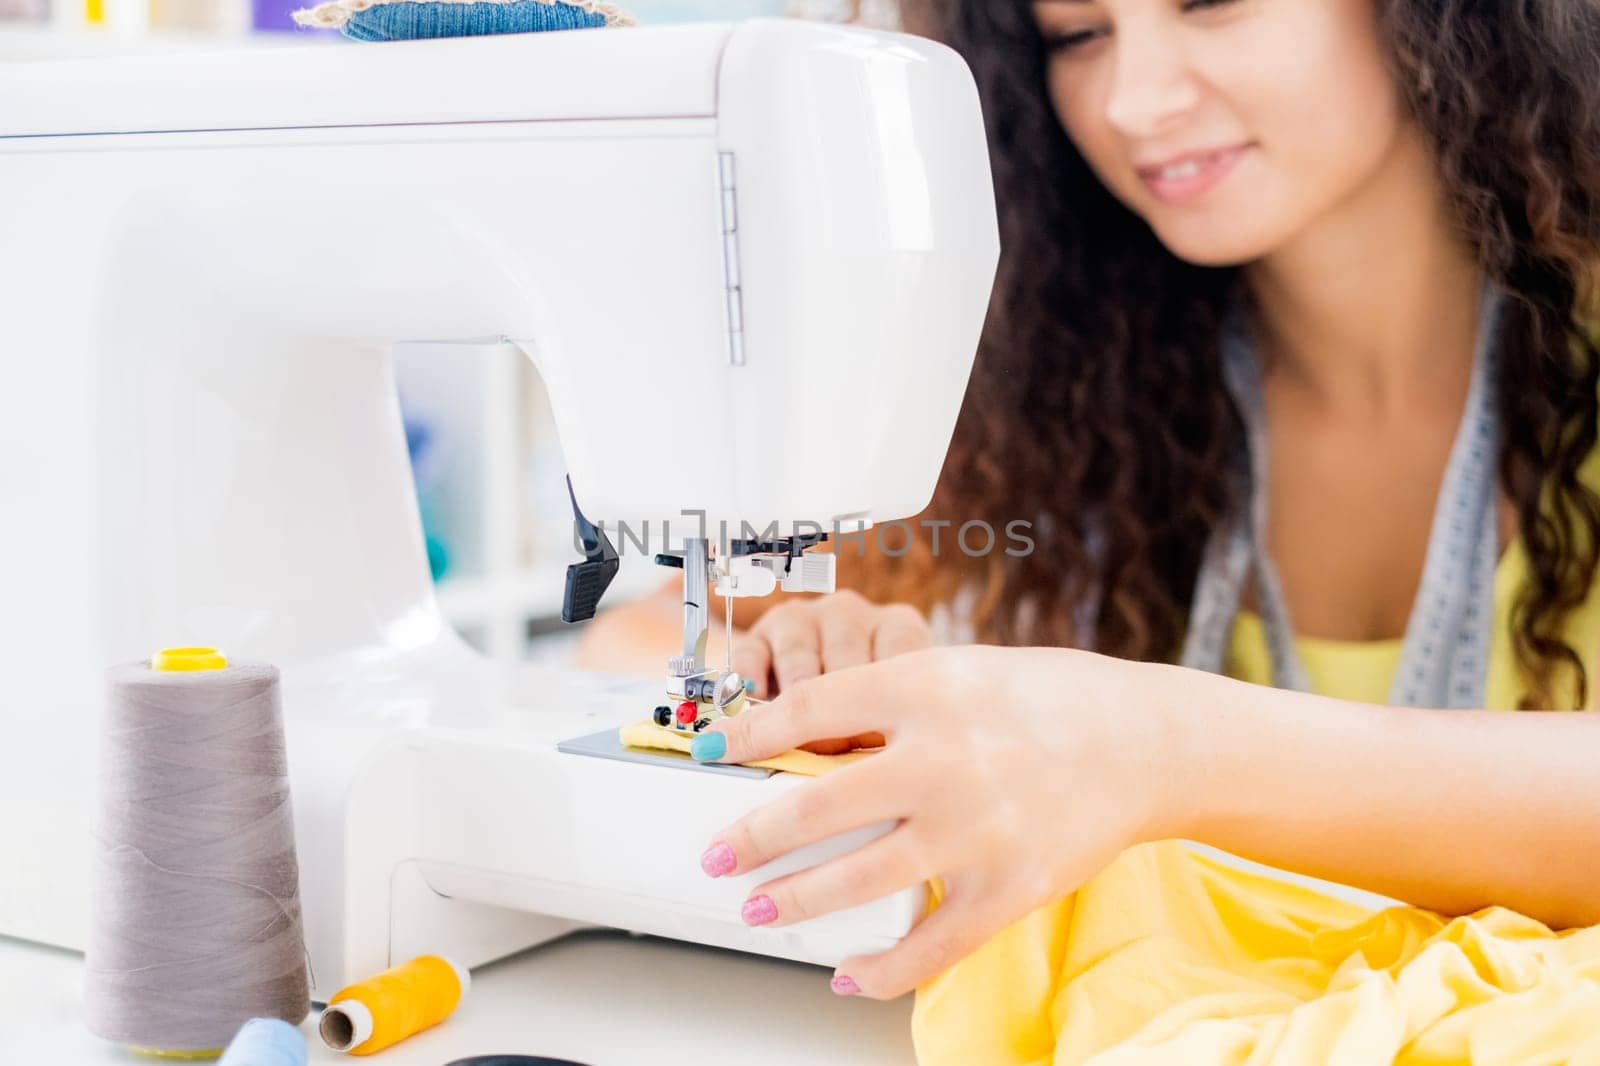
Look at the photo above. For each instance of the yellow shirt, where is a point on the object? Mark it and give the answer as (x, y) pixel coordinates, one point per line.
(1345, 669)
(1362, 670)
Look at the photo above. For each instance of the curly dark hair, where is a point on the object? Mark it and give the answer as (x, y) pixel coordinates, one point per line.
(1097, 409)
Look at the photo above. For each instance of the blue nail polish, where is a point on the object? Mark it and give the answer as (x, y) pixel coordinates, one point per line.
(749, 685)
(708, 747)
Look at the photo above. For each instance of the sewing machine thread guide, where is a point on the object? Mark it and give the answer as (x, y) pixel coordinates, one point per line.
(606, 744)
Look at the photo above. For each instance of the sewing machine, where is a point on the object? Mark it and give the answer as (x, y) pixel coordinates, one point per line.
(750, 263)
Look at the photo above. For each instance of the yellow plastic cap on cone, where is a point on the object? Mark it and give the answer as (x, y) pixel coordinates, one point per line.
(181, 660)
(180, 1055)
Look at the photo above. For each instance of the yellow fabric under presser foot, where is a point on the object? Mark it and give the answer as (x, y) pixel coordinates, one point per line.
(647, 735)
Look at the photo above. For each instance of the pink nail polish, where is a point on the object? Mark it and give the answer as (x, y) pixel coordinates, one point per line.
(844, 986)
(759, 910)
(718, 860)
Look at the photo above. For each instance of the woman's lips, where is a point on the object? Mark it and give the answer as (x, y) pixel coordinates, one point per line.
(1187, 177)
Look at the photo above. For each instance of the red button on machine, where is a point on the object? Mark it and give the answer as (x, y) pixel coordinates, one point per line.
(686, 713)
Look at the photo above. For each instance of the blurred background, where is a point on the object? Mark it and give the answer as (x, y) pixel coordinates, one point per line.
(488, 469)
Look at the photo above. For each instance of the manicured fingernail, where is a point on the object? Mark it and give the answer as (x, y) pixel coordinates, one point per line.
(718, 860)
(759, 910)
(708, 747)
(844, 986)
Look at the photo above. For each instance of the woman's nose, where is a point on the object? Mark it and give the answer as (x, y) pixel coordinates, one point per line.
(1152, 83)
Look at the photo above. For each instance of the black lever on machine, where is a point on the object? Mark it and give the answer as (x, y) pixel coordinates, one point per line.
(587, 581)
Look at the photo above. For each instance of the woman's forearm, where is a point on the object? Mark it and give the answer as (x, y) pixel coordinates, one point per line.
(1448, 810)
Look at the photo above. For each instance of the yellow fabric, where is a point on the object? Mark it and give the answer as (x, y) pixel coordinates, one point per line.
(647, 734)
(1169, 956)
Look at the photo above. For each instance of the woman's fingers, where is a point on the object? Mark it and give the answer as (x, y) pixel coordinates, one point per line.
(961, 925)
(846, 632)
(752, 660)
(796, 652)
(846, 641)
(845, 704)
(797, 641)
(847, 799)
(900, 628)
(876, 869)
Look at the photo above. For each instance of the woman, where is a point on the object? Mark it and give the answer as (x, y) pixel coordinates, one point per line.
(1358, 237)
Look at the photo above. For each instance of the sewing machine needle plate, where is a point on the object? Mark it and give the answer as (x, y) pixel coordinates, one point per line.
(606, 744)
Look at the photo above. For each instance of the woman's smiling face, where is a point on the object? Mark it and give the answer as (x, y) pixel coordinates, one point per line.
(1230, 126)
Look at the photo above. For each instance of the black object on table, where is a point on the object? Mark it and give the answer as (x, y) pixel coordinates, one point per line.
(512, 1060)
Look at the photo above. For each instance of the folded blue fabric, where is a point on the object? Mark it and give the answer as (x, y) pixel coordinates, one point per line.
(408, 20)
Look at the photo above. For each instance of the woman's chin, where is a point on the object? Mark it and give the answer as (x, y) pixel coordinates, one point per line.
(1219, 244)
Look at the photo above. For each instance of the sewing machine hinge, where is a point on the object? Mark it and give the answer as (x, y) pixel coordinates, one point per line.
(733, 294)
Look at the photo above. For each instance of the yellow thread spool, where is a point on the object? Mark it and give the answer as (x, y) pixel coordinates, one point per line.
(400, 1002)
(175, 1055)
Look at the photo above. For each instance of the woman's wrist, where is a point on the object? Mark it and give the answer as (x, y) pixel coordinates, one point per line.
(1162, 734)
(1200, 727)
(1257, 771)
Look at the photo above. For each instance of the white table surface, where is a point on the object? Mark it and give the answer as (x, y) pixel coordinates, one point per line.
(603, 999)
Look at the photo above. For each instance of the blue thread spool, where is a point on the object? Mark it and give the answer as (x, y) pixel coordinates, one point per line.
(407, 20)
(266, 1042)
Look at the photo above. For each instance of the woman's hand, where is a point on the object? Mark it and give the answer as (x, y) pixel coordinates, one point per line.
(799, 639)
(1015, 775)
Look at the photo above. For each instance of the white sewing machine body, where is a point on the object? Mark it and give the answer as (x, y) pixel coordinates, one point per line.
(750, 263)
